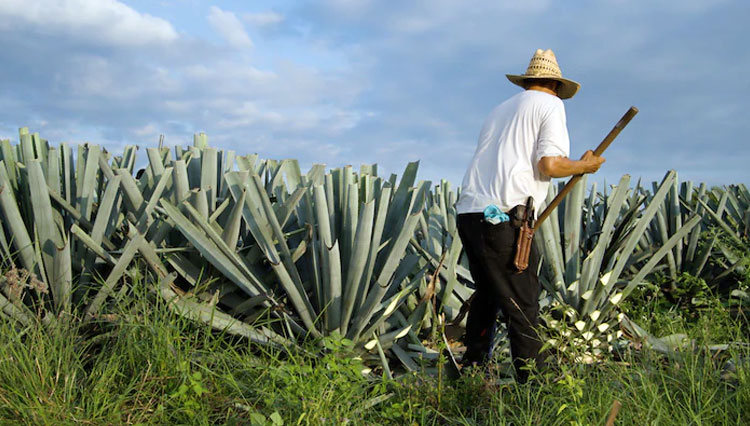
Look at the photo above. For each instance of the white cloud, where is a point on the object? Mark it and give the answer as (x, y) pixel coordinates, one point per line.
(359, 82)
(263, 19)
(107, 21)
(230, 27)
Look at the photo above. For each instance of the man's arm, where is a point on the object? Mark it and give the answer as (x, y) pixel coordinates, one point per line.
(558, 167)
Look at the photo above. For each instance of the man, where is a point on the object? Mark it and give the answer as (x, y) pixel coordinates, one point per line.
(523, 144)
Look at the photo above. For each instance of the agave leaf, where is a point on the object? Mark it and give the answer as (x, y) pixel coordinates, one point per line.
(349, 226)
(66, 206)
(592, 264)
(404, 357)
(26, 146)
(719, 221)
(128, 158)
(247, 162)
(553, 261)
(452, 282)
(331, 201)
(390, 306)
(198, 199)
(284, 210)
(358, 262)
(331, 261)
(326, 240)
(640, 226)
(131, 248)
(299, 300)
(286, 255)
(87, 180)
(656, 258)
(554, 221)
(218, 214)
(68, 173)
(692, 245)
(305, 215)
(104, 167)
(155, 162)
(53, 169)
(383, 360)
(663, 237)
(218, 320)
(17, 311)
(156, 195)
(377, 234)
(383, 282)
(209, 249)
(734, 211)
(401, 200)
(133, 198)
(227, 164)
(92, 245)
(591, 224)
(675, 214)
(193, 163)
(181, 182)
(231, 232)
(8, 156)
(209, 177)
(5, 256)
(316, 174)
(261, 229)
(58, 274)
(572, 234)
(703, 256)
(722, 202)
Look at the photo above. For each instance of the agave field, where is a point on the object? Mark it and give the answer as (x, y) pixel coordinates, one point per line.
(260, 249)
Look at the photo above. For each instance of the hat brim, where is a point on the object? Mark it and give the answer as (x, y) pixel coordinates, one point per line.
(566, 90)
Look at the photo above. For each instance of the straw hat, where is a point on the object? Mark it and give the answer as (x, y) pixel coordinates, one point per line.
(543, 65)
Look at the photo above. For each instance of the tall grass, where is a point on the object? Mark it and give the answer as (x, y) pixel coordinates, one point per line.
(141, 364)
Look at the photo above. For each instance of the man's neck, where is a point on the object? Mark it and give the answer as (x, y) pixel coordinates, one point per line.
(542, 89)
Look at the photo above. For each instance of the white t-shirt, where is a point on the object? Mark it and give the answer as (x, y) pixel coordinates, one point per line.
(515, 136)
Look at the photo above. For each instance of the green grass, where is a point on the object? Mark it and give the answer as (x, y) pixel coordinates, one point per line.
(145, 365)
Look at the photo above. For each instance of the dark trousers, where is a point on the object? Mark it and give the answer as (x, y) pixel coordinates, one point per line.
(490, 250)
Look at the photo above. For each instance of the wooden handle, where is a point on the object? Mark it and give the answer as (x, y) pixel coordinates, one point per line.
(616, 130)
(598, 151)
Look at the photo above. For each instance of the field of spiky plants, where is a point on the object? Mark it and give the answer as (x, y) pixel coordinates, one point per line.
(208, 287)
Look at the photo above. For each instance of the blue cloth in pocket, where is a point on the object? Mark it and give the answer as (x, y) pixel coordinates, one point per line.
(493, 215)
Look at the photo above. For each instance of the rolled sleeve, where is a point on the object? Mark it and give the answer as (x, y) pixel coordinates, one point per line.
(553, 140)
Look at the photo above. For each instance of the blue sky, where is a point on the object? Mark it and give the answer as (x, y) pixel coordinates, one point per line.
(352, 82)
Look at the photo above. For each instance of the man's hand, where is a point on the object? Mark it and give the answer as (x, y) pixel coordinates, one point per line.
(558, 167)
(591, 162)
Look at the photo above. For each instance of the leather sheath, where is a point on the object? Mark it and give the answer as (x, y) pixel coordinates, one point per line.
(523, 247)
(525, 237)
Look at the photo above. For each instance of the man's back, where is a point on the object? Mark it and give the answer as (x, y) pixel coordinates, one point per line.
(515, 135)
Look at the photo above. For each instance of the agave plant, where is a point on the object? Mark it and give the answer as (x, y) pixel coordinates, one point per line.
(437, 241)
(230, 238)
(586, 260)
(33, 176)
(728, 210)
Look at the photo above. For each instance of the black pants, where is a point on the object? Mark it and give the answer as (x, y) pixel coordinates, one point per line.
(490, 249)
